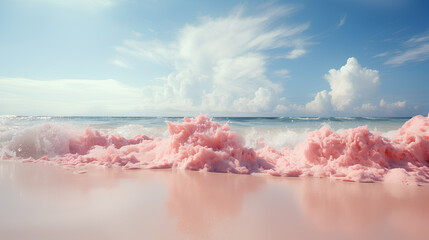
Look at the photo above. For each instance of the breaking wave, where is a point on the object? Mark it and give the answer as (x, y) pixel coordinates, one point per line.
(355, 154)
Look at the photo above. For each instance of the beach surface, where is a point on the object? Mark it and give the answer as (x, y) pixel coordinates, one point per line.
(41, 201)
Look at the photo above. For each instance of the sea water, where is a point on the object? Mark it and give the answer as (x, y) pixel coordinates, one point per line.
(281, 131)
(353, 149)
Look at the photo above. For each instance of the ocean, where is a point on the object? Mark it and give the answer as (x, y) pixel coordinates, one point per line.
(335, 147)
(277, 132)
(286, 130)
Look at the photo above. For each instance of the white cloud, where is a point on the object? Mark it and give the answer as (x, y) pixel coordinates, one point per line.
(382, 109)
(398, 104)
(262, 101)
(120, 63)
(320, 104)
(219, 64)
(383, 54)
(342, 21)
(281, 108)
(154, 50)
(137, 34)
(283, 73)
(366, 107)
(353, 91)
(351, 84)
(417, 39)
(419, 53)
(68, 97)
(417, 49)
(296, 53)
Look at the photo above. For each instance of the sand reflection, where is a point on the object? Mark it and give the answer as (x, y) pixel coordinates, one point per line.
(52, 203)
(47, 180)
(165, 204)
(359, 209)
(201, 200)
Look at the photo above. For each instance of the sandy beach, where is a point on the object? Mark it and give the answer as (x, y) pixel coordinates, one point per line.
(49, 202)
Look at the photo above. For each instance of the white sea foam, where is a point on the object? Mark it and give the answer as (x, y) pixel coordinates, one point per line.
(258, 137)
(49, 139)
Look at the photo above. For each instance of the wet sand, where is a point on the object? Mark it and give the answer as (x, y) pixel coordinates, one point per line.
(47, 202)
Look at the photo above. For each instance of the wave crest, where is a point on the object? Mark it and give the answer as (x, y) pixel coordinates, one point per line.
(201, 144)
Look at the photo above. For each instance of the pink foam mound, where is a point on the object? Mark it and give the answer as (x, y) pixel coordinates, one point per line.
(82, 144)
(201, 144)
(413, 139)
(90, 147)
(358, 155)
(195, 144)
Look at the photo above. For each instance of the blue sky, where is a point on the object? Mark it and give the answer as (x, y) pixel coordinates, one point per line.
(240, 58)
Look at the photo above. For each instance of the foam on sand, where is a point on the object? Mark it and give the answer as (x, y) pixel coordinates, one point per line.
(201, 144)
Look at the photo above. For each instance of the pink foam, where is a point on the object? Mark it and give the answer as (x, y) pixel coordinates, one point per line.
(358, 155)
(82, 144)
(195, 144)
(201, 144)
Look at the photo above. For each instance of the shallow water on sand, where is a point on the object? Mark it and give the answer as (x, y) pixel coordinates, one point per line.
(40, 201)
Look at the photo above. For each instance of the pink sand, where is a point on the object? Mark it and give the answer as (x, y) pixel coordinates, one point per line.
(45, 202)
(201, 144)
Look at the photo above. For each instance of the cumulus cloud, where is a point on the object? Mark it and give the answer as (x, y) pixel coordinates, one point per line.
(219, 64)
(68, 97)
(281, 109)
(353, 92)
(320, 104)
(398, 104)
(351, 84)
(382, 109)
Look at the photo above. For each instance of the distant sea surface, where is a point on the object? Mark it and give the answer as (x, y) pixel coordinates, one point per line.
(278, 132)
